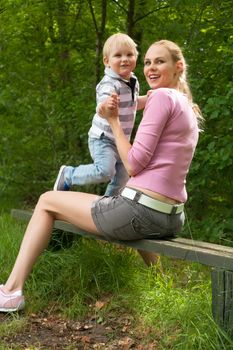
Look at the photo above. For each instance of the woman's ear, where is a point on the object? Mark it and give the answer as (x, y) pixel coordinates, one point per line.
(180, 66)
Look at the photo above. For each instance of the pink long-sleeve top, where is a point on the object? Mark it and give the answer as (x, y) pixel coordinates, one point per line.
(164, 145)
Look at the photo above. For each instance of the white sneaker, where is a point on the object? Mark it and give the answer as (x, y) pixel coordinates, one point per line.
(11, 302)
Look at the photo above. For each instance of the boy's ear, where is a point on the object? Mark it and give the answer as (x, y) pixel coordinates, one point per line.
(105, 60)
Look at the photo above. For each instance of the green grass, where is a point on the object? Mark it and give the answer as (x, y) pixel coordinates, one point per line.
(174, 304)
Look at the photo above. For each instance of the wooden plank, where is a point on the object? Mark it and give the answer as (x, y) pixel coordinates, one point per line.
(207, 245)
(218, 296)
(228, 311)
(186, 249)
(174, 248)
(222, 298)
(21, 214)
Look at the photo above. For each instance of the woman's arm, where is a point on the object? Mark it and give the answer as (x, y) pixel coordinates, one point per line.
(142, 100)
(109, 109)
(122, 142)
(137, 156)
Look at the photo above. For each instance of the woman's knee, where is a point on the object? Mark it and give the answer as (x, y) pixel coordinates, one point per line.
(45, 199)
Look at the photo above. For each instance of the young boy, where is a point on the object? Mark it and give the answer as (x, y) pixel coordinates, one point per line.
(119, 57)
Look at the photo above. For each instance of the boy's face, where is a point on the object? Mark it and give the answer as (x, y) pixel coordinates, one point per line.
(122, 60)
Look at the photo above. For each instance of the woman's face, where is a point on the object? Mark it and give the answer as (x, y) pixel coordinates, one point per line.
(159, 68)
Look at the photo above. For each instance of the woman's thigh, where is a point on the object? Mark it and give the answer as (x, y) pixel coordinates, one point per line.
(73, 207)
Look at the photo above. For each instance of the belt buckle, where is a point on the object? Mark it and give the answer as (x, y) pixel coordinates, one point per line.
(137, 196)
(174, 209)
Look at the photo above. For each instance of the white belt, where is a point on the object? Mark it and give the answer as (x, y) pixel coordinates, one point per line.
(152, 203)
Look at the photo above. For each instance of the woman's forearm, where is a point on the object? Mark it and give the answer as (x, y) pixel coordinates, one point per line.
(122, 143)
(141, 102)
(109, 109)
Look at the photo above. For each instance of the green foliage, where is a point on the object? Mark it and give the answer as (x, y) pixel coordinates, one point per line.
(163, 294)
(49, 68)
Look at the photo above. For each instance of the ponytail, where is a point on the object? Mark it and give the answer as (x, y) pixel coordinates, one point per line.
(183, 87)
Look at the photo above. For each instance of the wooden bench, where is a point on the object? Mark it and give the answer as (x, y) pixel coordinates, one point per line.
(218, 257)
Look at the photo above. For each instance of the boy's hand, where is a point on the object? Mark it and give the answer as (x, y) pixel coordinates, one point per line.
(109, 107)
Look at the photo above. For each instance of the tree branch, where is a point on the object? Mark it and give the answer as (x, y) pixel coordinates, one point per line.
(93, 16)
(150, 12)
(121, 7)
(3, 9)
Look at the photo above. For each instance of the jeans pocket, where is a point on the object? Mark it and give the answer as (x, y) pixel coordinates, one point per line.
(152, 222)
(130, 231)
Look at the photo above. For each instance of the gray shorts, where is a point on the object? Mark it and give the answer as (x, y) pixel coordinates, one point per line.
(124, 219)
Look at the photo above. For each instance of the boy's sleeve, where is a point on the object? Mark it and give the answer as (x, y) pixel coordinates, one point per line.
(103, 90)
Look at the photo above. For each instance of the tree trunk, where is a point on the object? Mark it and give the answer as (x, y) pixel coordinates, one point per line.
(99, 30)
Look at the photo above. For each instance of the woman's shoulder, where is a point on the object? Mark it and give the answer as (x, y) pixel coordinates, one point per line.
(166, 91)
(168, 94)
(161, 94)
(167, 99)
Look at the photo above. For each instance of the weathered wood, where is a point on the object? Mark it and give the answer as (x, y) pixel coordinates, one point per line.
(186, 249)
(222, 298)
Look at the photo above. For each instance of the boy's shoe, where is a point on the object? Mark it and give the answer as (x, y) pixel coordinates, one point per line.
(11, 302)
(60, 184)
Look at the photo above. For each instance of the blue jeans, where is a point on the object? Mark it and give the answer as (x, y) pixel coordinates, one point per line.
(107, 166)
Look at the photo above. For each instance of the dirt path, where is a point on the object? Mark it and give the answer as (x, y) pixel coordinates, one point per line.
(49, 332)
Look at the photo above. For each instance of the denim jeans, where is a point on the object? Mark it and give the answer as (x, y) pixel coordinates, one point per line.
(106, 167)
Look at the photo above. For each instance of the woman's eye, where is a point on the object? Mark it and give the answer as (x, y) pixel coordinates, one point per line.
(146, 63)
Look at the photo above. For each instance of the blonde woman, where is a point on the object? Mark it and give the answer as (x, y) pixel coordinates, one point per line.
(152, 202)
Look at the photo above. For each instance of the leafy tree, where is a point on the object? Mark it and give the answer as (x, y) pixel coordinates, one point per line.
(51, 59)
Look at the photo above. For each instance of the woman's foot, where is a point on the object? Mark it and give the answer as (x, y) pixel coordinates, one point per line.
(11, 302)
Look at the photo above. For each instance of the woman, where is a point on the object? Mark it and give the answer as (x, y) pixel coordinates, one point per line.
(151, 204)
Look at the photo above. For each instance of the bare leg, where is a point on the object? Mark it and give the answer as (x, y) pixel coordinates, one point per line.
(72, 207)
(148, 257)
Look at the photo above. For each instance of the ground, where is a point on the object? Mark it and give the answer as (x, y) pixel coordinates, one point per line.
(52, 332)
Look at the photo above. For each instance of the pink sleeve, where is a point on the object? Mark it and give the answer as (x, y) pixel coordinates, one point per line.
(155, 116)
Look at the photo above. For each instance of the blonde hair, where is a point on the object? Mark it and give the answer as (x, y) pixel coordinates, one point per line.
(183, 86)
(119, 40)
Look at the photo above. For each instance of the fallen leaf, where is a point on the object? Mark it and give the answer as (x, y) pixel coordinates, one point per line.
(100, 304)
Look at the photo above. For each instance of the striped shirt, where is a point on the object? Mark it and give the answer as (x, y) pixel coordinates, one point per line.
(128, 92)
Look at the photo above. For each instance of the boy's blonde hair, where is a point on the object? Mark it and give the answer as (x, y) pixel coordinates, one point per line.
(117, 40)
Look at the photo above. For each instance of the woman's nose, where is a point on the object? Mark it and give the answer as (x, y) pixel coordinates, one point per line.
(153, 66)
